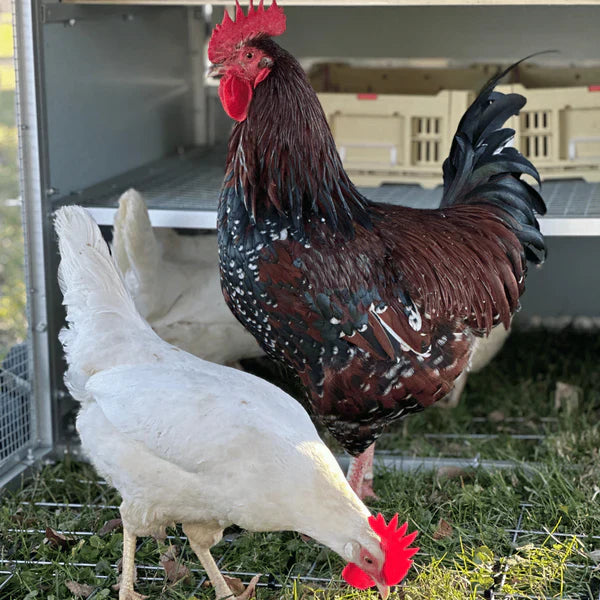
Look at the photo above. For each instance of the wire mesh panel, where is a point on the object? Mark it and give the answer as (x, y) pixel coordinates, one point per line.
(15, 403)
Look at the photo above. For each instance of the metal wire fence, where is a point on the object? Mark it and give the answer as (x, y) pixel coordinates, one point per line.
(15, 403)
(152, 576)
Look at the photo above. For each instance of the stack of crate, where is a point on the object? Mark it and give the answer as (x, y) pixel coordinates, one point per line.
(396, 125)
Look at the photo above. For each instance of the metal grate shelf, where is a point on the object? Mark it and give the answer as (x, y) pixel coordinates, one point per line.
(182, 191)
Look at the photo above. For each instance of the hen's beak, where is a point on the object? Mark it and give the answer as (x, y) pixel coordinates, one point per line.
(384, 590)
(216, 71)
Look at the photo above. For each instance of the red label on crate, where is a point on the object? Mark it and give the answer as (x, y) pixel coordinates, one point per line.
(366, 96)
(594, 88)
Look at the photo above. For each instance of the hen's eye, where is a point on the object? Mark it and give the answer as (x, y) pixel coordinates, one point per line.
(249, 55)
(368, 560)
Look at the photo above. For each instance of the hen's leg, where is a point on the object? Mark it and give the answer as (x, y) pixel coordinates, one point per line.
(201, 538)
(360, 473)
(126, 591)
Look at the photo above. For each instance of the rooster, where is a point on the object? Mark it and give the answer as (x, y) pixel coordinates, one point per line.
(188, 441)
(170, 277)
(374, 307)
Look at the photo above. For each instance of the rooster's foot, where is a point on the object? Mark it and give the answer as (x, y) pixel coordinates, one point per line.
(366, 490)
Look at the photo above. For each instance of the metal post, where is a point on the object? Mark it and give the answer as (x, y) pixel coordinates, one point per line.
(33, 219)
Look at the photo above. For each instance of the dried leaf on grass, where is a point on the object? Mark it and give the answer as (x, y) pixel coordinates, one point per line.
(81, 590)
(19, 518)
(110, 526)
(235, 585)
(175, 570)
(444, 530)
(58, 540)
(170, 553)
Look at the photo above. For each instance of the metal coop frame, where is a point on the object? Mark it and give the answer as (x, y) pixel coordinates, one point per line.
(96, 118)
(160, 129)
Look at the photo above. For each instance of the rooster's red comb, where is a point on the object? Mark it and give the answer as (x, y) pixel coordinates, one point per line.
(395, 546)
(259, 21)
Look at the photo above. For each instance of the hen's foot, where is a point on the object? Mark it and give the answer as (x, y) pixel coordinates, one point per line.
(131, 595)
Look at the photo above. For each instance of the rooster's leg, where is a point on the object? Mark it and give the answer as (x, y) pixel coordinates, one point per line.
(126, 591)
(367, 484)
(201, 538)
(360, 473)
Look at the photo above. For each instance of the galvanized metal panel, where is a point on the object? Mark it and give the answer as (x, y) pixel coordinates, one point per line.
(118, 92)
(568, 284)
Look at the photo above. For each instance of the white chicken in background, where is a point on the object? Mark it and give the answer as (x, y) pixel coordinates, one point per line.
(482, 352)
(175, 284)
(187, 441)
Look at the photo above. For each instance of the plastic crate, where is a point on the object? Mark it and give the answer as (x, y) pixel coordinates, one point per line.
(405, 137)
(559, 130)
(394, 138)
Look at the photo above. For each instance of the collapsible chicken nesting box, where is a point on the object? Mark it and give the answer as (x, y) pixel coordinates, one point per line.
(404, 136)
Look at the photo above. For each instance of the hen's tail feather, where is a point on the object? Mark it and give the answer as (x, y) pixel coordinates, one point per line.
(137, 253)
(482, 170)
(101, 314)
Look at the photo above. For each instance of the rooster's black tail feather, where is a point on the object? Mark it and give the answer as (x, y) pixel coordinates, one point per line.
(481, 169)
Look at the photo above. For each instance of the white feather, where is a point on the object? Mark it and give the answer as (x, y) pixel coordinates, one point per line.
(175, 283)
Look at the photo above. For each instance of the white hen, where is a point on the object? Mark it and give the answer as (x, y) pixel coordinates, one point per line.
(187, 441)
(175, 284)
(483, 351)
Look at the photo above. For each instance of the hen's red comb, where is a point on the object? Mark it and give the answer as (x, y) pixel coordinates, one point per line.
(395, 546)
(229, 34)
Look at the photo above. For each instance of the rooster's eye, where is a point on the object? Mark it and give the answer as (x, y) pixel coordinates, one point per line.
(249, 55)
(368, 560)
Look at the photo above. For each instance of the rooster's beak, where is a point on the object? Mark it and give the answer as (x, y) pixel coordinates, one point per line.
(216, 71)
(384, 591)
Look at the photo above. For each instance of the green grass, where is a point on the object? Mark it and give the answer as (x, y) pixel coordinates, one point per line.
(558, 496)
